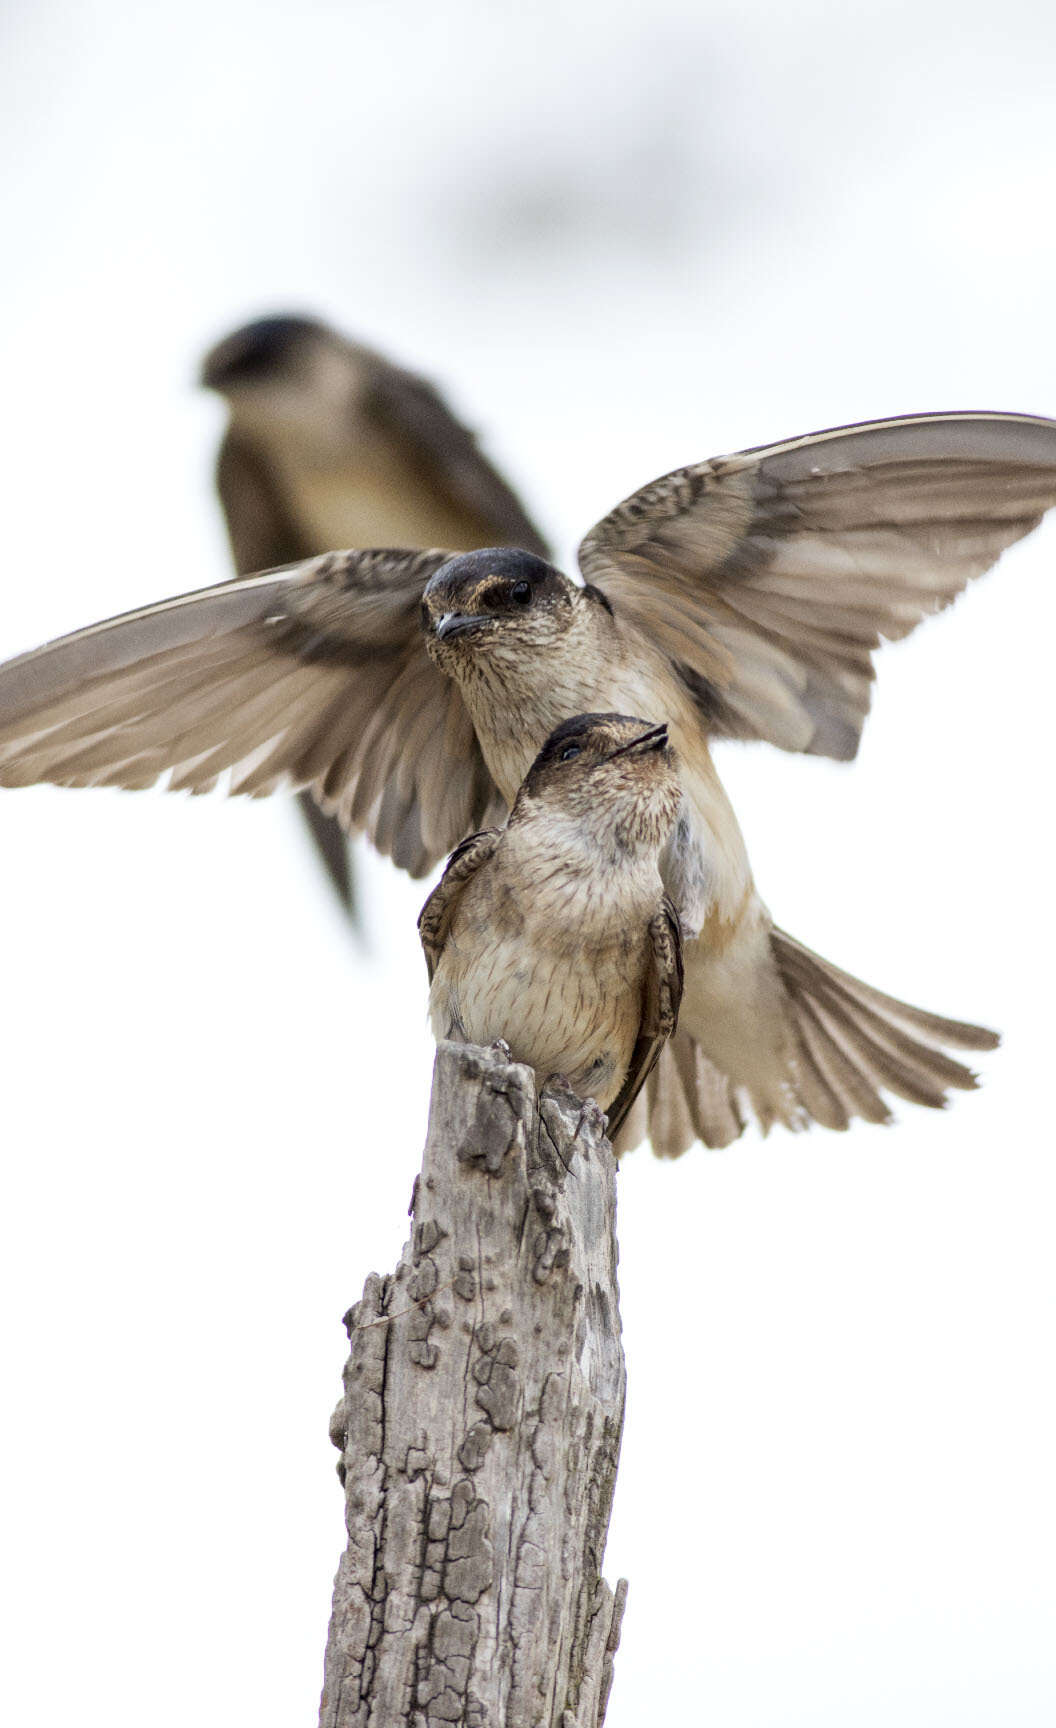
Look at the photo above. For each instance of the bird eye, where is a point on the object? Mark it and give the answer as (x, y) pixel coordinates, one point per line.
(569, 751)
(521, 592)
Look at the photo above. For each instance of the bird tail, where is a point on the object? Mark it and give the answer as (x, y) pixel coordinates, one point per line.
(685, 1099)
(846, 1044)
(852, 1042)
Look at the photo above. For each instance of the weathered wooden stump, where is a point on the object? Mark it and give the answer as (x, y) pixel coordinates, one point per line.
(480, 1425)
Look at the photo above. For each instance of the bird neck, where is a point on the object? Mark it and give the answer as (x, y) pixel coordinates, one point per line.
(594, 858)
(516, 698)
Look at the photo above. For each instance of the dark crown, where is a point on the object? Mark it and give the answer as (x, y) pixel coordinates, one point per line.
(508, 562)
(578, 727)
(255, 349)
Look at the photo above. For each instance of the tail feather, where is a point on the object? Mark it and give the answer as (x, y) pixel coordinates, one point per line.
(844, 1046)
(818, 1094)
(671, 1127)
(710, 1096)
(898, 1069)
(855, 1040)
(685, 1099)
(875, 1060)
(843, 1077)
(793, 956)
(891, 1051)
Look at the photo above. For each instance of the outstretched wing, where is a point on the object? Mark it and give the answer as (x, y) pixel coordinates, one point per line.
(313, 676)
(770, 577)
(434, 920)
(660, 1005)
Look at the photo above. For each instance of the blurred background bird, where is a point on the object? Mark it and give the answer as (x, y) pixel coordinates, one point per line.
(330, 444)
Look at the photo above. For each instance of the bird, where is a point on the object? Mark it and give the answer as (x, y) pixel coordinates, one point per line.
(328, 443)
(741, 597)
(554, 933)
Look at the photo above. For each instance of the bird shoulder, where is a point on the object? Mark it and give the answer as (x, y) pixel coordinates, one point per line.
(434, 920)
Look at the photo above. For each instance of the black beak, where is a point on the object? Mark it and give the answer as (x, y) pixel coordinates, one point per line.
(654, 739)
(458, 624)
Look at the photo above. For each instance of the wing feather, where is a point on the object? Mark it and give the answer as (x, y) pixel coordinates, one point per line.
(771, 578)
(312, 675)
(434, 920)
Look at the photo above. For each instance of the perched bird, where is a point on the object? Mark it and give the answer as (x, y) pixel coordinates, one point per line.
(554, 933)
(329, 444)
(737, 598)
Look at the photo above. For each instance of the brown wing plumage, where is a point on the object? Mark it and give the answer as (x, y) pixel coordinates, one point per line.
(661, 999)
(407, 410)
(771, 577)
(434, 920)
(313, 676)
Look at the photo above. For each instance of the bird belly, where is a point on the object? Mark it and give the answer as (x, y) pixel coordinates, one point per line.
(561, 1015)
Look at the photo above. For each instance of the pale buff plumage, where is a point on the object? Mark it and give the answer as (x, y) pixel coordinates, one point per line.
(554, 933)
(764, 1022)
(732, 988)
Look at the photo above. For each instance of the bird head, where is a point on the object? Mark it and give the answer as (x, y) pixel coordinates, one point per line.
(499, 603)
(286, 371)
(614, 774)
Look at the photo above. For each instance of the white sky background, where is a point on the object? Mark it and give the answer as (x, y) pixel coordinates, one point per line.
(624, 238)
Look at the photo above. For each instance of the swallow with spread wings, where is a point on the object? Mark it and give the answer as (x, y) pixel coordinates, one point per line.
(409, 691)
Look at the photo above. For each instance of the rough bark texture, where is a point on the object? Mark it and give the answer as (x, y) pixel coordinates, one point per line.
(480, 1426)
